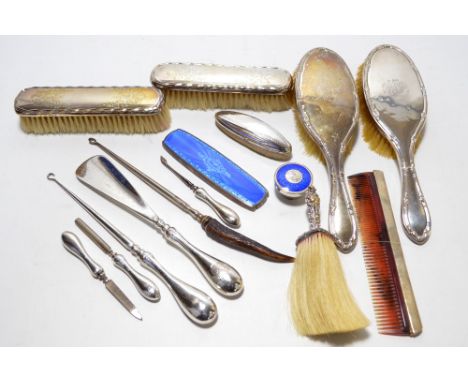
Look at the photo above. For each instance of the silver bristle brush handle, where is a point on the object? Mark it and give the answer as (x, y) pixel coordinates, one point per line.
(220, 275)
(196, 305)
(144, 286)
(415, 215)
(341, 218)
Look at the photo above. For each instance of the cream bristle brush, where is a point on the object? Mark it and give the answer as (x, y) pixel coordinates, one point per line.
(394, 112)
(118, 110)
(319, 298)
(210, 86)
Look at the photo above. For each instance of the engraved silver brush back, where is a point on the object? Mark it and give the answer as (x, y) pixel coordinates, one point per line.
(326, 101)
(396, 99)
(221, 78)
(45, 101)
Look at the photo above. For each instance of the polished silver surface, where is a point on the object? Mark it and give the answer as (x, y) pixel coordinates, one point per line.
(292, 176)
(396, 98)
(144, 285)
(169, 195)
(195, 304)
(254, 133)
(99, 174)
(326, 100)
(220, 78)
(72, 244)
(40, 101)
(226, 214)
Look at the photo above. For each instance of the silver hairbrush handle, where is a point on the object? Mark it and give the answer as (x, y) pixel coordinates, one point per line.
(415, 215)
(196, 305)
(341, 218)
(72, 244)
(221, 276)
(226, 214)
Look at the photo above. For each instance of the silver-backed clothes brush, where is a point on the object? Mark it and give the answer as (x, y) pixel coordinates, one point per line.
(144, 285)
(72, 244)
(99, 174)
(195, 304)
(214, 228)
(226, 214)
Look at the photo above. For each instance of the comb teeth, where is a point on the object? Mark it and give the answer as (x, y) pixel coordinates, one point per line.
(394, 306)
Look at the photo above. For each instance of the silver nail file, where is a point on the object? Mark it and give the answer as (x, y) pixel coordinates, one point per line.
(72, 244)
(144, 285)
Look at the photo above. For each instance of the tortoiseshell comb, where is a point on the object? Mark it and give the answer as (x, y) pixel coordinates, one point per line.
(392, 295)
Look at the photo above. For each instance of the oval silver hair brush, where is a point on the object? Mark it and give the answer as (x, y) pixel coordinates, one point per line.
(397, 103)
(326, 102)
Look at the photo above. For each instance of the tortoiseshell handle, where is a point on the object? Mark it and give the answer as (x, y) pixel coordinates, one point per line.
(224, 235)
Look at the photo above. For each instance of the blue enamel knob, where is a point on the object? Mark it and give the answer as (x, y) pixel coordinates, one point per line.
(292, 180)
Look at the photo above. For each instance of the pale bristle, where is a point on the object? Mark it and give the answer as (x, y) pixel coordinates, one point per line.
(114, 124)
(370, 131)
(311, 148)
(198, 100)
(320, 300)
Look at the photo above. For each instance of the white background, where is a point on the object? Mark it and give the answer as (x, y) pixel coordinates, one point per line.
(47, 296)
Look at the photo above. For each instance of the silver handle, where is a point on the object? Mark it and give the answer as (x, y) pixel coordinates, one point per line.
(415, 215)
(221, 276)
(72, 244)
(341, 217)
(225, 213)
(195, 304)
(144, 285)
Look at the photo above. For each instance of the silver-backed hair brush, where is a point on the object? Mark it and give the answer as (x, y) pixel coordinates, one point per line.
(326, 103)
(393, 112)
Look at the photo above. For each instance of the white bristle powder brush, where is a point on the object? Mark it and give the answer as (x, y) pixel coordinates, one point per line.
(319, 297)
